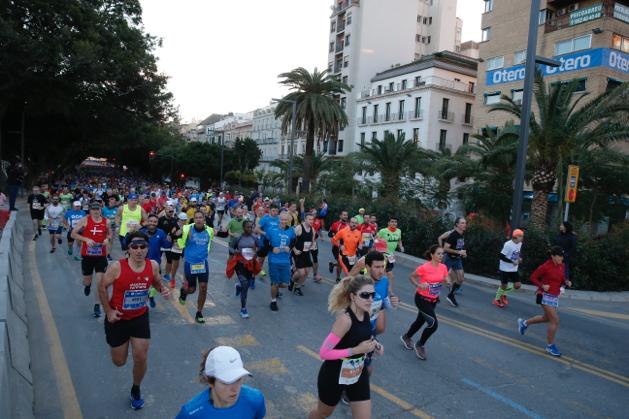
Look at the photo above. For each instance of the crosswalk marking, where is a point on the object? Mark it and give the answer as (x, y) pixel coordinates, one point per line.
(238, 341)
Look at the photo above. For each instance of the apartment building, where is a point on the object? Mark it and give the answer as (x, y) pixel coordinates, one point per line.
(369, 36)
(228, 128)
(267, 133)
(430, 101)
(590, 38)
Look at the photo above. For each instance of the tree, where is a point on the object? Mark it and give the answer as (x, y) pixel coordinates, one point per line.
(246, 155)
(320, 163)
(562, 124)
(318, 111)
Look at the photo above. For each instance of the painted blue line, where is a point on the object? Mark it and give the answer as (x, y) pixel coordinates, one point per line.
(503, 399)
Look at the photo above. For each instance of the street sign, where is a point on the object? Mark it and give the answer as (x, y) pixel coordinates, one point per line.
(571, 184)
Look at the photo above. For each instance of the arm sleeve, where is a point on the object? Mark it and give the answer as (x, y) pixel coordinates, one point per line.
(504, 258)
(327, 351)
(536, 276)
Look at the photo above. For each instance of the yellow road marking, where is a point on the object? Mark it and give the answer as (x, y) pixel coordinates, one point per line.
(238, 341)
(174, 300)
(306, 401)
(598, 313)
(271, 366)
(65, 386)
(378, 390)
(218, 320)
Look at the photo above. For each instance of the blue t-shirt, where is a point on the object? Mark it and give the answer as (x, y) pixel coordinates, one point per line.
(196, 246)
(380, 301)
(280, 238)
(267, 223)
(109, 213)
(250, 405)
(74, 216)
(157, 241)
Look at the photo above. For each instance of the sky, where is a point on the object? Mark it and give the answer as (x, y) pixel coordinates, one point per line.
(225, 56)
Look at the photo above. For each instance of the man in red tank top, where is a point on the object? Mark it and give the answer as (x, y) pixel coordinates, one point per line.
(95, 235)
(127, 316)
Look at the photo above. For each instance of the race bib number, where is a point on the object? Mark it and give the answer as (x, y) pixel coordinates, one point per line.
(435, 289)
(307, 246)
(95, 250)
(366, 237)
(36, 206)
(550, 300)
(351, 370)
(391, 258)
(134, 300)
(248, 253)
(376, 306)
(54, 223)
(351, 259)
(197, 268)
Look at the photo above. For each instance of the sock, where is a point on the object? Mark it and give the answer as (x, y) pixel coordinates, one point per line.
(499, 293)
(135, 391)
(274, 300)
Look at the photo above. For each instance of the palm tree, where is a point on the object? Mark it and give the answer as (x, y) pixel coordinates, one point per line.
(320, 163)
(562, 124)
(318, 111)
(391, 158)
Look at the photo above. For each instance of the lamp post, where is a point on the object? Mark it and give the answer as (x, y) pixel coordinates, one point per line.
(525, 119)
(292, 141)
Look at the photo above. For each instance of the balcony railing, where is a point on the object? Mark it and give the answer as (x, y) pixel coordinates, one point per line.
(340, 27)
(339, 7)
(578, 16)
(339, 46)
(338, 67)
(467, 119)
(416, 115)
(445, 116)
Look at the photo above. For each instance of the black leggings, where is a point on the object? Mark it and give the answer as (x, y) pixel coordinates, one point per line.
(246, 278)
(426, 315)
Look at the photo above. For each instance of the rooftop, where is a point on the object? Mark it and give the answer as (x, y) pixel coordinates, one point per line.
(446, 60)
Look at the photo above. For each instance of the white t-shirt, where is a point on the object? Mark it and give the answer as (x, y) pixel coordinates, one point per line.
(55, 215)
(512, 251)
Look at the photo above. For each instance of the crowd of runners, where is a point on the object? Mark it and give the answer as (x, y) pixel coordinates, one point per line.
(159, 228)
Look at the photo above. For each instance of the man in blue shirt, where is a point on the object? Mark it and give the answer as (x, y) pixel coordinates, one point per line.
(281, 241)
(227, 397)
(266, 223)
(71, 218)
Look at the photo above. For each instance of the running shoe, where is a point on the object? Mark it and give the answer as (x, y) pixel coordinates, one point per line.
(244, 314)
(35, 238)
(136, 404)
(291, 284)
(522, 326)
(77, 258)
(338, 279)
(498, 303)
(253, 284)
(420, 352)
(273, 306)
(262, 273)
(298, 291)
(504, 300)
(97, 312)
(59, 241)
(166, 277)
(52, 250)
(331, 267)
(172, 283)
(238, 289)
(199, 317)
(552, 349)
(407, 342)
(317, 278)
(87, 289)
(70, 251)
(452, 300)
(182, 296)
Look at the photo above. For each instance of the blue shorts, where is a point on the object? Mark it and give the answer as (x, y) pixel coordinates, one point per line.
(57, 230)
(456, 264)
(279, 273)
(192, 278)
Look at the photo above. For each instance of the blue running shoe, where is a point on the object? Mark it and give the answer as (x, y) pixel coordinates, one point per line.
(238, 289)
(253, 284)
(244, 314)
(136, 404)
(152, 302)
(552, 349)
(522, 326)
(166, 277)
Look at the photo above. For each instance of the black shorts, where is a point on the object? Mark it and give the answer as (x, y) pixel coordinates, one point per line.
(303, 260)
(264, 250)
(347, 263)
(191, 278)
(538, 298)
(506, 277)
(330, 390)
(314, 255)
(335, 253)
(390, 266)
(119, 333)
(69, 237)
(89, 264)
(37, 215)
(220, 212)
(170, 256)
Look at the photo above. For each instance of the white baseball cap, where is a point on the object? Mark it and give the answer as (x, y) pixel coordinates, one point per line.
(224, 364)
(76, 204)
(182, 216)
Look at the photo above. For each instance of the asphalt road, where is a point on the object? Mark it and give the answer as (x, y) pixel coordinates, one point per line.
(478, 365)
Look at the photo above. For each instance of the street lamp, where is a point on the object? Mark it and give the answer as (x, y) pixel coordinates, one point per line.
(292, 141)
(525, 119)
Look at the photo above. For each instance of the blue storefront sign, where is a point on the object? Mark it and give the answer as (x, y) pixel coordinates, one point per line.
(576, 61)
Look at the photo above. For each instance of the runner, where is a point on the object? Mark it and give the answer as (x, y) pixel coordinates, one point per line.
(158, 240)
(360, 217)
(221, 202)
(167, 223)
(130, 211)
(509, 261)
(37, 205)
(127, 320)
(351, 244)
(93, 232)
(54, 213)
(323, 212)
(267, 222)
(549, 277)
(71, 218)
(176, 251)
(304, 237)
(344, 350)
(109, 212)
(66, 198)
(227, 397)
(196, 242)
(454, 248)
(314, 248)
(294, 215)
(280, 242)
(235, 228)
(368, 230)
(428, 279)
(393, 236)
(335, 228)
(244, 264)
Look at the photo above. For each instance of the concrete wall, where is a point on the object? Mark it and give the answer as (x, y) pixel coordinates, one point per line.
(16, 381)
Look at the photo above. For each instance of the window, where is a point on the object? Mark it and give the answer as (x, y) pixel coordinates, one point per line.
(362, 139)
(331, 46)
(580, 84)
(425, 21)
(489, 5)
(343, 102)
(349, 20)
(492, 98)
(401, 110)
(485, 34)
(574, 44)
(375, 113)
(363, 119)
(379, 89)
(344, 79)
(543, 16)
(400, 133)
(418, 38)
(386, 132)
(329, 66)
(468, 113)
(620, 42)
(416, 135)
(346, 62)
(442, 139)
(340, 146)
(374, 135)
(516, 95)
(444, 108)
(387, 111)
(419, 19)
(333, 26)
(418, 107)
(418, 81)
(404, 84)
(391, 87)
(428, 39)
(423, 39)
(612, 84)
(347, 40)
(466, 138)
(519, 57)
(430, 20)
(494, 63)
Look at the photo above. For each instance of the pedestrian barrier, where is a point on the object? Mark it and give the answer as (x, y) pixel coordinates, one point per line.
(16, 381)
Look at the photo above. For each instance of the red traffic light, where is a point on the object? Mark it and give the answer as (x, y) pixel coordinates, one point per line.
(182, 176)
(152, 154)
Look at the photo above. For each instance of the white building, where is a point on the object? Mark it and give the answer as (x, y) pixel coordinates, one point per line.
(429, 100)
(367, 36)
(227, 128)
(267, 133)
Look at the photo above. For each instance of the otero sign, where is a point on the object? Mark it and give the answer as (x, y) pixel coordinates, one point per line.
(585, 15)
(582, 60)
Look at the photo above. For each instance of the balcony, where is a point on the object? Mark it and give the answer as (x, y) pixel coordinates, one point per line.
(340, 27)
(341, 6)
(339, 46)
(445, 116)
(467, 119)
(338, 67)
(416, 115)
(605, 9)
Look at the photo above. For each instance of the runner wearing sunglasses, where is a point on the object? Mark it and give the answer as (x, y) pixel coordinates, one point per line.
(127, 321)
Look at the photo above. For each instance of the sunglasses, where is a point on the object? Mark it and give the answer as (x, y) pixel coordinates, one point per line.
(136, 246)
(367, 295)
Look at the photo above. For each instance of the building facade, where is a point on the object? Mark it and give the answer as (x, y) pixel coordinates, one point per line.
(267, 133)
(430, 101)
(369, 36)
(590, 38)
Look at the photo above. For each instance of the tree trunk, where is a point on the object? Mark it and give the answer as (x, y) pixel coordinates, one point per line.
(310, 137)
(391, 183)
(539, 208)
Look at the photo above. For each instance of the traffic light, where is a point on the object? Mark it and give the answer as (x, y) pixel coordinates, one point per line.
(152, 154)
(182, 176)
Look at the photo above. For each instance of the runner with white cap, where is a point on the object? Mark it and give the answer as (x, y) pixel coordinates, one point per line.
(71, 218)
(226, 397)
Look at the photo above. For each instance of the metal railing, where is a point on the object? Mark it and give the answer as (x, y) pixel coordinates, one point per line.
(467, 119)
(563, 21)
(339, 46)
(445, 116)
(339, 7)
(416, 115)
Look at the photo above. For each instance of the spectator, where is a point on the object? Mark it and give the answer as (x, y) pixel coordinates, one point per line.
(15, 179)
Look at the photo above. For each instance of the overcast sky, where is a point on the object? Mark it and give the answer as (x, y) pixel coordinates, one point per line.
(224, 56)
